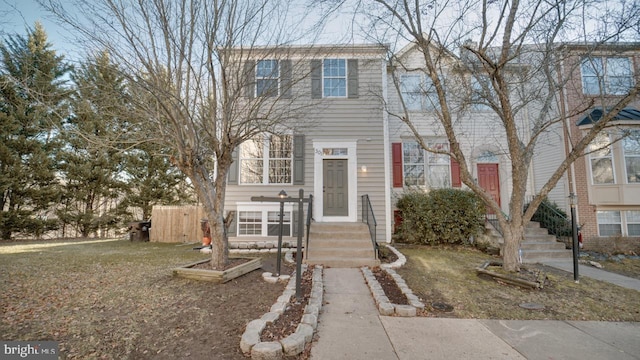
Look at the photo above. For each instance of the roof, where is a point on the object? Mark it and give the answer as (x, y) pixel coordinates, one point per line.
(626, 114)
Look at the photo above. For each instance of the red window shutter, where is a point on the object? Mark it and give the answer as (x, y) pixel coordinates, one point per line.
(396, 152)
(455, 174)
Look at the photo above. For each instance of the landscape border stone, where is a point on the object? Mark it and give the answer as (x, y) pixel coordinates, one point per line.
(385, 307)
(295, 343)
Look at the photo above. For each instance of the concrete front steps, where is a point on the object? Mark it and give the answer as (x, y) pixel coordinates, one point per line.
(538, 245)
(340, 245)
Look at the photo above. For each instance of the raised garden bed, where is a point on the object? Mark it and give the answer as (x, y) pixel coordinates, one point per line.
(195, 272)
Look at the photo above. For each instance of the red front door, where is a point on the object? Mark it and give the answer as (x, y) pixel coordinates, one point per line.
(489, 180)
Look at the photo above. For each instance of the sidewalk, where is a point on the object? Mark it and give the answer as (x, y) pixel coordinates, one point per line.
(351, 328)
(595, 273)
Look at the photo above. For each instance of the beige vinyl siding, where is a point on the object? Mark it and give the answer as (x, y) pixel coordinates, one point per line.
(549, 154)
(334, 120)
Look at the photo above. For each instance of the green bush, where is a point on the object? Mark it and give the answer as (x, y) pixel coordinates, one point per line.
(442, 216)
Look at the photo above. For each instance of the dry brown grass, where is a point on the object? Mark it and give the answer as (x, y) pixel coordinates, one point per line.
(448, 275)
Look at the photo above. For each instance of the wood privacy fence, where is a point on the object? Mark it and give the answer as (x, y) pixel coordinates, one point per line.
(176, 224)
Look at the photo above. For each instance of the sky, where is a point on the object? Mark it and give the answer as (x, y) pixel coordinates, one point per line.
(17, 15)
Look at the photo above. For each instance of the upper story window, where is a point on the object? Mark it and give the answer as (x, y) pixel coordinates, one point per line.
(601, 158)
(267, 76)
(424, 167)
(631, 148)
(334, 78)
(267, 160)
(606, 75)
(418, 92)
(481, 93)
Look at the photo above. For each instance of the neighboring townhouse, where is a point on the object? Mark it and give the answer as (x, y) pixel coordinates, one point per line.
(607, 179)
(479, 130)
(336, 149)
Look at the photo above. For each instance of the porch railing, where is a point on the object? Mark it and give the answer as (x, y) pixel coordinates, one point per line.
(493, 220)
(369, 218)
(308, 222)
(555, 221)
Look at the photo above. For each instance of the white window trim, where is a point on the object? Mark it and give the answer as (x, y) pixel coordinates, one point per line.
(426, 105)
(264, 208)
(603, 79)
(265, 164)
(278, 79)
(613, 163)
(426, 166)
(352, 168)
(346, 79)
(405, 162)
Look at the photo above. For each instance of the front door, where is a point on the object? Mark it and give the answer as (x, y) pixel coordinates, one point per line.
(335, 190)
(489, 180)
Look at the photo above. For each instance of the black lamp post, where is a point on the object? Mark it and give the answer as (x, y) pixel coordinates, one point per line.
(282, 195)
(574, 234)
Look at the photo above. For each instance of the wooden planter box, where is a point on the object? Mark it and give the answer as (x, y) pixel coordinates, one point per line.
(217, 276)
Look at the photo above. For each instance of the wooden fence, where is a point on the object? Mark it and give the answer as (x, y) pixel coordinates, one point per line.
(176, 224)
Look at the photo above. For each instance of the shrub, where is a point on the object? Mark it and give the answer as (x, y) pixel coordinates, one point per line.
(442, 216)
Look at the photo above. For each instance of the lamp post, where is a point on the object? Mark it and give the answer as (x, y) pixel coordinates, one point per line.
(574, 235)
(282, 195)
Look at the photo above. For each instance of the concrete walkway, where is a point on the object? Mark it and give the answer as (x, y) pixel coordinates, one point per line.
(595, 273)
(351, 328)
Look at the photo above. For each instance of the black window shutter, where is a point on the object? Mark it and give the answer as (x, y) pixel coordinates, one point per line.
(249, 79)
(285, 79)
(232, 176)
(298, 159)
(316, 79)
(352, 78)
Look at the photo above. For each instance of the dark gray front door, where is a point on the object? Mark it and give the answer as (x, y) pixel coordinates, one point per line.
(335, 188)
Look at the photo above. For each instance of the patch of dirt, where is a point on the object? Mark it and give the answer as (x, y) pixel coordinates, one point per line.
(386, 256)
(390, 287)
(288, 321)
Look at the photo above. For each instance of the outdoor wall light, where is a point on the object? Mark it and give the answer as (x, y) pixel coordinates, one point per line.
(282, 194)
(363, 168)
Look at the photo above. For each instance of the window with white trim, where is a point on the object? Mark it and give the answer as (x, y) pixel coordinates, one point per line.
(418, 92)
(267, 78)
(631, 149)
(633, 222)
(601, 159)
(263, 219)
(267, 160)
(609, 223)
(422, 168)
(334, 77)
(606, 75)
(481, 93)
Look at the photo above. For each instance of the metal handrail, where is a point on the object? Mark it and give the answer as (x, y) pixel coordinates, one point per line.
(493, 220)
(556, 223)
(369, 217)
(309, 218)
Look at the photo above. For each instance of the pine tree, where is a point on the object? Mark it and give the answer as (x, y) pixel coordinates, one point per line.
(92, 161)
(33, 95)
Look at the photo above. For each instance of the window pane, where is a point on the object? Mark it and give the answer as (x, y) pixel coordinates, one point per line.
(610, 229)
(592, 67)
(252, 149)
(280, 171)
(618, 67)
(609, 223)
(607, 216)
(411, 92)
(335, 67)
(633, 169)
(267, 87)
(633, 222)
(280, 146)
(335, 87)
(414, 175)
(435, 158)
(273, 226)
(249, 223)
(412, 152)
(439, 176)
(602, 171)
(267, 73)
(251, 171)
(632, 143)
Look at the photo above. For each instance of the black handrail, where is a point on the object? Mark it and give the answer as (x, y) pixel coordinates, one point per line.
(554, 220)
(309, 218)
(493, 220)
(369, 217)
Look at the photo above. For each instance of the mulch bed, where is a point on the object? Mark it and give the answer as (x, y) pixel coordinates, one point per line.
(390, 287)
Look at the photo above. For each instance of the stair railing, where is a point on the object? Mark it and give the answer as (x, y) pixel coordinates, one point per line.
(308, 222)
(556, 223)
(369, 218)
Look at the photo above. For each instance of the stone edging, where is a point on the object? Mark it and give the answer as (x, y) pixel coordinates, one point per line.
(398, 263)
(385, 307)
(295, 343)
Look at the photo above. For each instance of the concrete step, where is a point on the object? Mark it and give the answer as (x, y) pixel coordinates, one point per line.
(535, 231)
(533, 256)
(339, 227)
(540, 238)
(344, 235)
(334, 242)
(341, 253)
(343, 263)
(529, 245)
(532, 225)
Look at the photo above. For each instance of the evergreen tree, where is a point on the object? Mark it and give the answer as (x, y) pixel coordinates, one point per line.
(92, 160)
(33, 96)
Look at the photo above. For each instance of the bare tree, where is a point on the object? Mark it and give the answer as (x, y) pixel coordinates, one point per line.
(191, 68)
(505, 56)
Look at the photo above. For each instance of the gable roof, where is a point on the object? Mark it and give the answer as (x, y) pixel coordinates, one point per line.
(626, 114)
